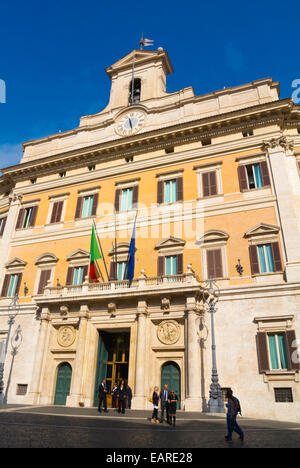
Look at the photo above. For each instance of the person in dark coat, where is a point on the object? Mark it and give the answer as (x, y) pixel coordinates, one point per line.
(122, 397)
(164, 404)
(102, 390)
(114, 395)
(173, 399)
(155, 401)
(129, 397)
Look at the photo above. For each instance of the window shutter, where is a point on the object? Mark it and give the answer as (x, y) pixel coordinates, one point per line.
(262, 352)
(160, 266)
(253, 259)
(5, 286)
(179, 183)
(214, 263)
(180, 264)
(85, 272)
(276, 256)
(33, 217)
(135, 195)
(265, 173)
(54, 212)
(213, 183)
(78, 207)
(117, 200)
(59, 211)
(243, 178)
(70, 276)
(44, 278)
(218, 263)
(160, 191)
(20, 219)
(95, 204)
(112, 271)
(18, 283)
(292, 350)
(210, 264)
(3, 226)
(205, 184)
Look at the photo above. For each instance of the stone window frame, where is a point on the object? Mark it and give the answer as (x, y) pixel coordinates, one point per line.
(167, 176)
(261, 234)
(26, 205)
(45, 261)
(53, 199)
(15, 266)
(212, 240)
(170, 246)
(123, 185)
(251, 160)
(202, 169)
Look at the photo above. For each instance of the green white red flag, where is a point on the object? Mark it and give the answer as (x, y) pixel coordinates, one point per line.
(95, 254)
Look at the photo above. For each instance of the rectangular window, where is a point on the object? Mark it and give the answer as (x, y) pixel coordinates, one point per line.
(278, 351)
(56, 212)
(21, 389)
(209, 184)
(27, 217)
(2, 225)
(254, 176)
(126, 199)
(87, 206)
(121, 271)
(265, 258)
(214, 263)
(170, 187)
(283, 395)
(13, 285)
(171, 265)
(78, 275)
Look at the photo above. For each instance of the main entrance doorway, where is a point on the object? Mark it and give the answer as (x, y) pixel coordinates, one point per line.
(170, 375)
(63, 383)
(113, 360)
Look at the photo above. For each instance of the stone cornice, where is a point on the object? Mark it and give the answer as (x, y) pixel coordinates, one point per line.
(188, 132)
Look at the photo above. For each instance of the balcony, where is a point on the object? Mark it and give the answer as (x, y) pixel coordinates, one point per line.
(142, 286)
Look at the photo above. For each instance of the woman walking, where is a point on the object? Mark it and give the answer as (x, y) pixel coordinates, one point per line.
(155, 400)
(172, 406)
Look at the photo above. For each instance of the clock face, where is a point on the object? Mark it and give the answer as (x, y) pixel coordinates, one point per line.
(130, 123)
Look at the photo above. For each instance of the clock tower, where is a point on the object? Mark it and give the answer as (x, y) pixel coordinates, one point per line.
(150, 68)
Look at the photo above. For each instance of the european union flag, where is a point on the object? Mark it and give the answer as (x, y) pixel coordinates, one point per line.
(131, 254)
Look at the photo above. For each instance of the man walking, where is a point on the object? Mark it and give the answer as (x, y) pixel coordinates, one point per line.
(164, 404)
(102, 396)
(233, 408)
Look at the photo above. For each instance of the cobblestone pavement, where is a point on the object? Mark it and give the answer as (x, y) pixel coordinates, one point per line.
(58, 427)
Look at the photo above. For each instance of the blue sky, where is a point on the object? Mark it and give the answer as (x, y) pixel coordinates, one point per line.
(53, 54)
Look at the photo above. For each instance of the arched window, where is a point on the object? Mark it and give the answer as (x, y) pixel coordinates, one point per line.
(135, 91)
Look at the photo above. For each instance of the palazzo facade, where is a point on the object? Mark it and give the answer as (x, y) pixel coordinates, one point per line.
(214, 184)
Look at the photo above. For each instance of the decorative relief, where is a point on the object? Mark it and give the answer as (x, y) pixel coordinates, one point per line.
(284, 142)
(66, 336)
(168, 332)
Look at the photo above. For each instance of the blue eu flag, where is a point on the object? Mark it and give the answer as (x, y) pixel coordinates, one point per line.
(131, 255)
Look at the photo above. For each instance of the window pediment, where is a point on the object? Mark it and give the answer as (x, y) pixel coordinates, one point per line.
(262, 229)
(78, 254)
(212, 236)
(46, 259)
(170, 242)
(15, 263)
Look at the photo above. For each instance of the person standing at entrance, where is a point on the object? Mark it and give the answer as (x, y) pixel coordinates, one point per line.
(102, 396)
(172, 406)
(164, 404)
(129, 397)
(114, 395)
(233, 408)
(122, 397)
(155, 401)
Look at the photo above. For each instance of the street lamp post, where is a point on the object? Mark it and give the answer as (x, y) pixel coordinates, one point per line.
(210, 294)
(13, 310)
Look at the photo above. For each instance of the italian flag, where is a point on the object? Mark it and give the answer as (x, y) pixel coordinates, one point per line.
(95, 254)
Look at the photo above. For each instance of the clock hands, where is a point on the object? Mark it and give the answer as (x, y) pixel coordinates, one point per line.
(130, 123)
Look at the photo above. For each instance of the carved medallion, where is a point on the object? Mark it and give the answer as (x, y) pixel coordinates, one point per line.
(66, 336)
(168, 332)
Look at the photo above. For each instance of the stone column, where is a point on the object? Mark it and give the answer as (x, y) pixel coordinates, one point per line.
(77, 372)
(283, 172)
(35, 388)
(139, 399)
(193, 401)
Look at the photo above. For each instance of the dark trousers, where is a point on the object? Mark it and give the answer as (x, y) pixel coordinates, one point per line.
(121, 406)
(164, 406)
(114, 400)
(155, 413)
(102, 399)
(232, 425)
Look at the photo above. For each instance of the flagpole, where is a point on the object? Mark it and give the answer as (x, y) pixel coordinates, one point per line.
(101, 251)
(116, 255)
(132, 81)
